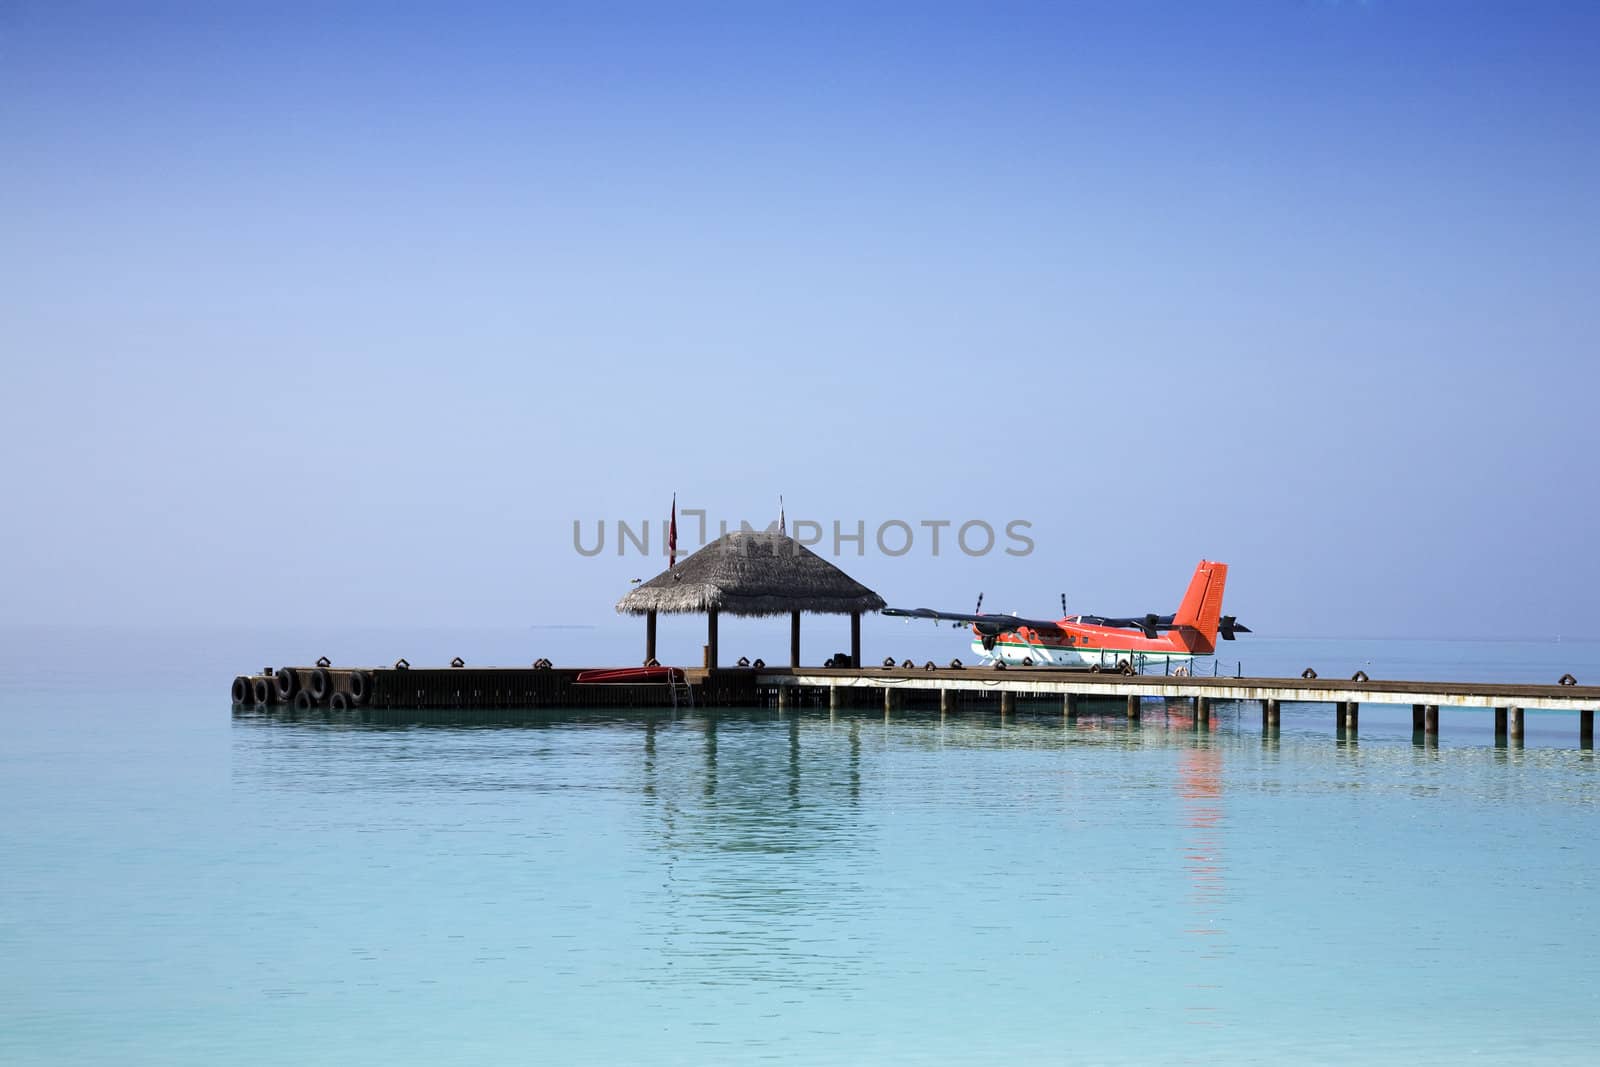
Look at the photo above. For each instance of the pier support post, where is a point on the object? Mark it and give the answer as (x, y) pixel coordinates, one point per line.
(834, 697)
(889, 699)
(855, 639)
(1586, 728)
(1008, 703)
(1202, 709)
(1069, 705)
(711, 638)
(1352, 716)
(783, 698)
(946, 701)
(1133, 709)
(1500, 724)
(1271, 711)
(1430, 719)
(649, 636)
(1516, 723)
(1416, 718)
(794, 639)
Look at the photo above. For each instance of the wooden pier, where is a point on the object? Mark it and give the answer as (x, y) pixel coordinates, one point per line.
(949, 690)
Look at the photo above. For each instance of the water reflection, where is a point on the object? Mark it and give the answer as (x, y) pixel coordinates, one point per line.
(761, 852)
(747, 850)
(1200, 791)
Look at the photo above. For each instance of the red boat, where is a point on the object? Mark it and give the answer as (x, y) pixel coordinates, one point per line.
(630, 676)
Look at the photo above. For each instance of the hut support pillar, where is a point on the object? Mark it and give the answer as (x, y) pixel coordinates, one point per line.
(794, 639)
(855, 639)
(649, 636)
(711, 638)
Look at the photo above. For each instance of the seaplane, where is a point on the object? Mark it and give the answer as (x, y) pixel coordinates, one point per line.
(1102, 642)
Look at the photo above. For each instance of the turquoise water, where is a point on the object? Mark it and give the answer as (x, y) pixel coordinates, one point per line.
(182, 884)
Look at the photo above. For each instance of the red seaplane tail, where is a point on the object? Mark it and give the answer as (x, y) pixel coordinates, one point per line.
(1201, 608)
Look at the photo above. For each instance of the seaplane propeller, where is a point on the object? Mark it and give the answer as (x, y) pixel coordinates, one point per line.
(1228, 625)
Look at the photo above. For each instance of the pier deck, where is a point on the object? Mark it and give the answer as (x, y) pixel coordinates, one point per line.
(949, 689)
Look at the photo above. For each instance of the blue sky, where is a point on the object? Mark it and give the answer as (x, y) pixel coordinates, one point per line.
(370, 305)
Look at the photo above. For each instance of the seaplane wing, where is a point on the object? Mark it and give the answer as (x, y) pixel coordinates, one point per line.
(992, 625)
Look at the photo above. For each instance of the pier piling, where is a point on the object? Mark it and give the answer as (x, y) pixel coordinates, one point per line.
(1586, 728)
(1133, 709)
(1516, 723)
(1069, 705)
(1430, 719)
(1500, 724)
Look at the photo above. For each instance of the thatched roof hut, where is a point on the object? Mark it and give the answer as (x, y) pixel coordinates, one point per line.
(751, 572)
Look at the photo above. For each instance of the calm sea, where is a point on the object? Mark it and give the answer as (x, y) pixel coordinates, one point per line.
(184, 884)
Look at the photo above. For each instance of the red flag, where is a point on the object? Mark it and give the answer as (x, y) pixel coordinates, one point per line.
(672, 535)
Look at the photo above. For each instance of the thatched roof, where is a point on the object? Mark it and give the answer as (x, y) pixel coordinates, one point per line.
(752, 573)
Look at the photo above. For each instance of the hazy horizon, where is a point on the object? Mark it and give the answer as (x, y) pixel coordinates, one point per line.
(342, 316)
